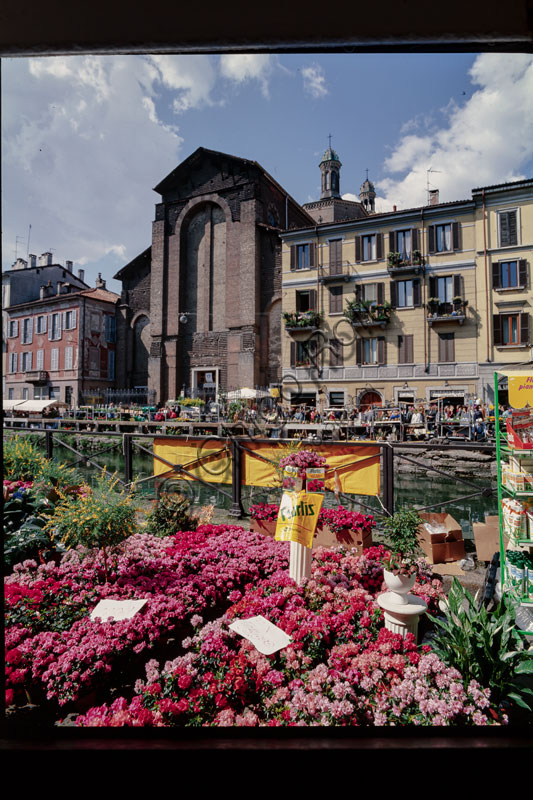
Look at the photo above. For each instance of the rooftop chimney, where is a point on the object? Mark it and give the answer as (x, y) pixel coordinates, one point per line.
(68, 265)
(433, 197)
(33, 260)
(20, 264)
(394, 208)
(81, 275)
(42, 292)
(100, 283)
(59, 287)
(45, 259)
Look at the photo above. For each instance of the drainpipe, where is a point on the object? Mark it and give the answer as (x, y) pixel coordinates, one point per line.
(486, 273)
(319, 295)
(424, 303)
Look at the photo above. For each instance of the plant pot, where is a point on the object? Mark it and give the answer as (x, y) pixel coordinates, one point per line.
(399, 585)
(265, 526)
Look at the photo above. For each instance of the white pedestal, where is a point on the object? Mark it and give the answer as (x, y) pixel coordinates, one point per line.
(300, 562)
(402, 618)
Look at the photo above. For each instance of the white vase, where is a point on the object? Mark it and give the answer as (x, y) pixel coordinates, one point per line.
(399, 585)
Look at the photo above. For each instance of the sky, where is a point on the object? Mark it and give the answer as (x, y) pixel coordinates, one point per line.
(86, 138)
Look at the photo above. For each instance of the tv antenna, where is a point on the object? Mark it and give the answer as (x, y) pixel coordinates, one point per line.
(430, 169)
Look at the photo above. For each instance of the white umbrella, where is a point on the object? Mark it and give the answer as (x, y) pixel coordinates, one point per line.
(246, 394)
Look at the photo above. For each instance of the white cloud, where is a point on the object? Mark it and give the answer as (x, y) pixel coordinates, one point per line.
(84, 142)
(350, 196)
(242, 67)
(315, 81)
(487, 140)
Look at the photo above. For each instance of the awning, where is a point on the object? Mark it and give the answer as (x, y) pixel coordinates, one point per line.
(8, 405)
(37, 406)
(246, 394)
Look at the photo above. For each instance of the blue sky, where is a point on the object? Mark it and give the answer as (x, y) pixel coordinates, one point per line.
(86, 138)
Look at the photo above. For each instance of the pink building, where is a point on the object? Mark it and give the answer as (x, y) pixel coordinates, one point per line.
(62, 346)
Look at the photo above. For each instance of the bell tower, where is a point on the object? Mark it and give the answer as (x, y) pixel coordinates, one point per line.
(367, 195)
(330, 168)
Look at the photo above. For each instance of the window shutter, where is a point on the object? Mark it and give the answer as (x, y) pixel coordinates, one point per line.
(504, 230)
(379, 246)
(111, 365)
(35, 325)
(393, 294)
(524, 328)
(312, 300)
(40, 359)
(456, 236)
(417, 294)
(54, 359)
(29, 360)
(380, 293)
(522, 274)
(293, 256)
(312, 249)
(359, 350)
(433, 287)
(401, 350)
(335, 353)
(457, 286)
(497, 329)
(382, 350)
(414, 239)
(409, 348)
(358, 293)
(513, 239)
(451, 347)
(431, 239)
(335, 299)
(293, 354)
(50, 327)
(16, 327)
(392, 242)
(358, 249)
(21, 362)
(442, 348)
(496, 275)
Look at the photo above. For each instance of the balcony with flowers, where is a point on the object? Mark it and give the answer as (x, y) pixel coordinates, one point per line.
(405, 264)
(454, 311)
(367, 313)
(302, 324)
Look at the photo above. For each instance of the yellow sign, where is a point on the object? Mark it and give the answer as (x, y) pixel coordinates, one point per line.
(298, 517)
(521, 390)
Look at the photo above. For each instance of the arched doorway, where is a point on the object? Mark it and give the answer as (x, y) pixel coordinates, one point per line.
(369, 399)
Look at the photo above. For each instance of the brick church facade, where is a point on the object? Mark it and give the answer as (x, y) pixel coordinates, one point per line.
(201, 307)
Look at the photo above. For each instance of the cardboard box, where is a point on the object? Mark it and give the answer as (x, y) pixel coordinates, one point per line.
(356, 540)
(519, 422)
(487, 537)
(446, 545)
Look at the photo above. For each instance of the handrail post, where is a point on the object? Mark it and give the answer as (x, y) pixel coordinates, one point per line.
(236, 509)
(128, 457)
(388, 479)
(49, 444)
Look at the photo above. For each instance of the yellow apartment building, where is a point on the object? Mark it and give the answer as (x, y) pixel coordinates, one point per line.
(412, 305)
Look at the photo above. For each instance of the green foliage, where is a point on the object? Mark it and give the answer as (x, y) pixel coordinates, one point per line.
(187, 401)
(57, 475)
(484, 646)
(402, 537)
(170, 515)
(22, 459)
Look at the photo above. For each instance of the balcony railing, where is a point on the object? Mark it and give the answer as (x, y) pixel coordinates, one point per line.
(336, 271)
(405, 263)
(364, 314)
(36, 376)
(454, 311)
(302, 324)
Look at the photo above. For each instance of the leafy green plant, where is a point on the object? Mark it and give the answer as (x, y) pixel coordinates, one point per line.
(170, 515)
(484, 646)
(22, 459)
(403, 541)
(98, 517)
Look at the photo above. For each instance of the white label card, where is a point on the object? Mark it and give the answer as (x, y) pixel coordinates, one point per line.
(263, 634)
(117, 609)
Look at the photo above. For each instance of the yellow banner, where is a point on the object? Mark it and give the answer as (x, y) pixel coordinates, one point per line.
(521, 390)
(357, 467)
(298, 517)
(201, 457)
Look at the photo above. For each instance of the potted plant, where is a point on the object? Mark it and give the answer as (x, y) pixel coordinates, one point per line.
(264, 518)
(400, 568)
(417, 258)
(393, 259)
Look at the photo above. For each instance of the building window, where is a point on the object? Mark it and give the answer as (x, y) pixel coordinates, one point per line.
(446, 347)
(25, 394)
(40, 393)
(27, 331)
(26, 361)
(405, 349)
(445, 289)
(508, 228)
(335, 300)
(13, 328)
(404, 294)
(54, 393)
(12, 362)
(306, 301)
(94, 359)
(370, 351)
(54, 355)
(335, 256)
(510, 329)
(111, 365)
(40, 360)
(10, 394)
(336, 355)
(369, 251)
(509, 274)
(302, 256)
(444, 238)
(403, 244)
(55, 327)
(69, 357)
(69, 320)
(110, 328)
(336, 399)
(40, 324)
(303, 354)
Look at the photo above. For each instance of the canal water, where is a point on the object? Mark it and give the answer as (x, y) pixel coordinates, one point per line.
(416, 490)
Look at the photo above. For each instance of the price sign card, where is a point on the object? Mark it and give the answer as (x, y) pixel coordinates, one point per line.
(263, 634)
(298, 517)
(117, 609)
